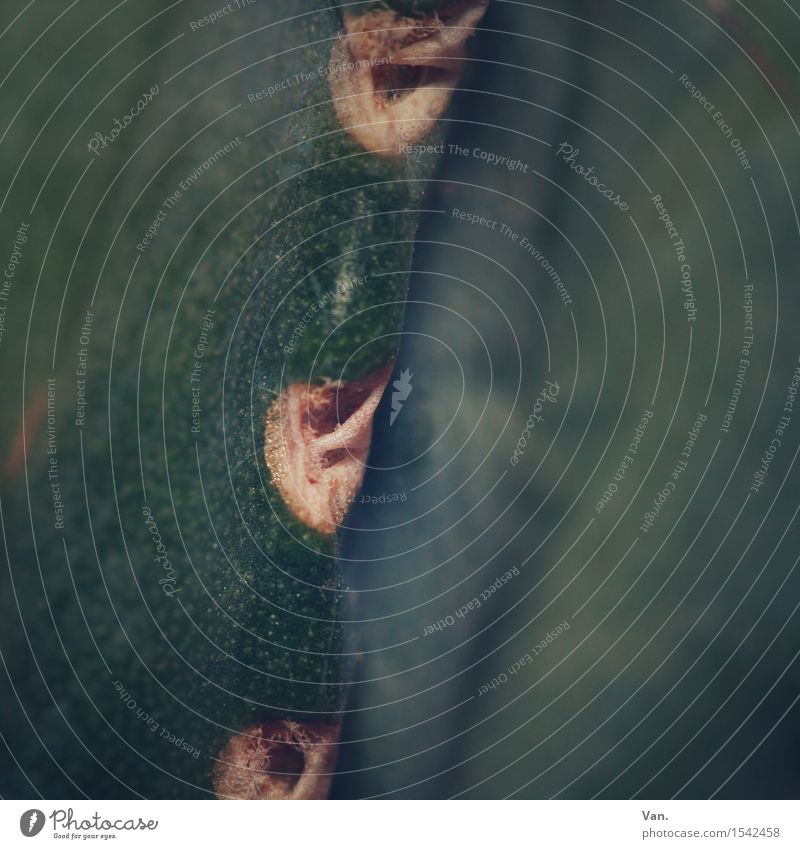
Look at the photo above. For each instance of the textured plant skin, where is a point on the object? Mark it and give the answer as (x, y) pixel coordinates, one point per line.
(237, 621)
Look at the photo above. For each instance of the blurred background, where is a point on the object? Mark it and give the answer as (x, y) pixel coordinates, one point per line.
(572, 572)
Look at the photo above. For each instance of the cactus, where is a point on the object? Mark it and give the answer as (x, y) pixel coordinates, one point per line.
(189, 604)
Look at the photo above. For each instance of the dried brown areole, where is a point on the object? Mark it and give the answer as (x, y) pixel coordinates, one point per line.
(317, 442)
